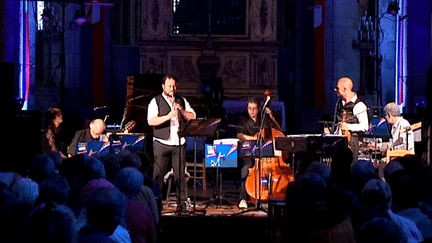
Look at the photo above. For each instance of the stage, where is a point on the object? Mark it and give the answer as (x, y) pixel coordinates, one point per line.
(209, 220)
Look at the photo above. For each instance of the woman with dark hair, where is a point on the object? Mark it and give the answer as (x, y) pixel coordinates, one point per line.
(51, 142)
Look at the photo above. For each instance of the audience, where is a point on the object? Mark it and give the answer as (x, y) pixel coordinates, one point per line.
(105, 210)
(52, 223)
(139, 218)
(112, 199)
(41, 167)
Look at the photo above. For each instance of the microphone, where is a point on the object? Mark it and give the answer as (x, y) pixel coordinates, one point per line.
(266, 102)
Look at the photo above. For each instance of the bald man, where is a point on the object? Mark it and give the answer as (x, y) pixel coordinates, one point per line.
(93, 133)
(356, 111)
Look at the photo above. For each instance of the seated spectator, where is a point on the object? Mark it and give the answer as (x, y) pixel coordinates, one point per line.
(52, 223)
(145, 195)
(338, 205)
(407, 193)
(390, 168)
(111, 164)
(320, 169)
(139, 218)
(41, 167)
(306, 213)
(148, 181)
(9, 178)
(27, 189)
(55, 189)
(131, 160)
(425, 177)
(87, 169)
(10, 220)
(57, 158)
(377, 198)
(105, 210)
(120, 235)
(341, 168)
(380, 230)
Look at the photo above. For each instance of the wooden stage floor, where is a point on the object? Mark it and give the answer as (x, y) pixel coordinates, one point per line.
(218, 221)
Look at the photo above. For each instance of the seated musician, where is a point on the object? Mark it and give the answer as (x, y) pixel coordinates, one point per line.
(93, 133)
(351, 114)
(249, 130)
(401, 133)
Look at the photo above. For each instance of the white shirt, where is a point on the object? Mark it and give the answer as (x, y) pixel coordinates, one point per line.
(153, 111)
(360, 111)
(399, 132)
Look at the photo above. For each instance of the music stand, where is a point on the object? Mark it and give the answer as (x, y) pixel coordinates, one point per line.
(220, 154)
(292, 145)
(196, 128)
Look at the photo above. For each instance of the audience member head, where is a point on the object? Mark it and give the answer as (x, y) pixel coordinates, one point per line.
(320, 169)
(410, 162)
(341, 167)
(111, 164)
(129, 180)
(380, 230)
(425, 177)
(377, 193)
(363, 171)
(339, 202)
(27, 189)
(312, 190)
(131, 160)
(390, 168)
(41, 167)
(67, 167)
(52, 223)
(9, 178)
(106, 208)
(9, 214)
(56, 158)
(145, 161)
(92, 186)
(55, 189)
(407, 192)
(304, 165)
(88, 169)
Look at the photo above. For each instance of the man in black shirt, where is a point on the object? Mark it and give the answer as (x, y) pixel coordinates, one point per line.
(249, 130)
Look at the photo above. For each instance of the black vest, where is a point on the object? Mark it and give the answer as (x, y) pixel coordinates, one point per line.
(163, 130)
(349, 109)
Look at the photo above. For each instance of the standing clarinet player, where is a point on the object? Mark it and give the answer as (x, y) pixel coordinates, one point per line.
(167, 114)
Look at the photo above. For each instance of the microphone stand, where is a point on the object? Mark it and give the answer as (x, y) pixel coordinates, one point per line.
(259, 140)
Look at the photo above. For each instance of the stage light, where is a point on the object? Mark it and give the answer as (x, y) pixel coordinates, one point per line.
(393, 8)
(80, 17)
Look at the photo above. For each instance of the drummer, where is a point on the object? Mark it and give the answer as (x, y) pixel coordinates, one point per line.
(249, 129)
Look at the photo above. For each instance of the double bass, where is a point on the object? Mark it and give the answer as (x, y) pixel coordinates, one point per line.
(270, 176)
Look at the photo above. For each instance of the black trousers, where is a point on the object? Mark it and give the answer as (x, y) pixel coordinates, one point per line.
(163, 154)
(247, 164)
